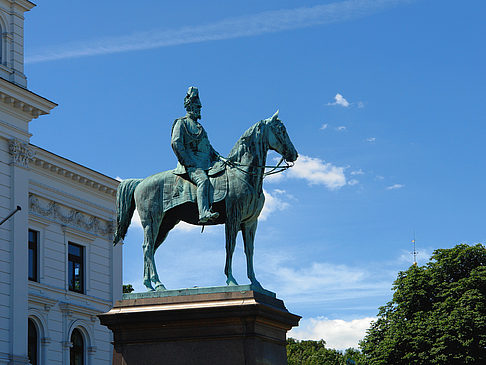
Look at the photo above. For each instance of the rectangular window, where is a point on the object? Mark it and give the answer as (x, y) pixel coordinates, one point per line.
(33, 250)
(76, 268)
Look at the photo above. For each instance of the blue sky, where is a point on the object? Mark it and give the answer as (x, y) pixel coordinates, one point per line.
(384, 101)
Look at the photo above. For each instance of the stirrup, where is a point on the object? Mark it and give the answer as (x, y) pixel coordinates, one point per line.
(208, 217)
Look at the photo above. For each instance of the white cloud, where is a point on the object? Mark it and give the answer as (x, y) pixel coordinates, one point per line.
(341, 128)
(321, 283)
(186, 227)
(338, 334)
(357, 172)
(251, 25)
(395, 186)
(273, 202)
(340, 100)
(371, 139)
(136, 223)
(324, 126)
(353, 182)
(379, 177)
(317, 171)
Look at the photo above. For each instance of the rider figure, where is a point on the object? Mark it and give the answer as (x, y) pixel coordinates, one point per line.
(194, 152)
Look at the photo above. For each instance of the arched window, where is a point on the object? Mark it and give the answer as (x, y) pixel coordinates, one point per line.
(77, 350)
(33, 343)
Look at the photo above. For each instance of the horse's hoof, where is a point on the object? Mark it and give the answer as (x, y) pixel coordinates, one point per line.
(160, 287)
(231, 282)
(148, 285)
(256, 286)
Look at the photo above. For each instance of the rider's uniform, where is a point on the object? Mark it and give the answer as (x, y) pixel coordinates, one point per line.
(195, 156)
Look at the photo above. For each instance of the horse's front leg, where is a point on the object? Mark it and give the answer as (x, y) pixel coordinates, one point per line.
(248, 230)
(231, 232)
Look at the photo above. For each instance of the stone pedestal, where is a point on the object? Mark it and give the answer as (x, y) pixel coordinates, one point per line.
(224, 325)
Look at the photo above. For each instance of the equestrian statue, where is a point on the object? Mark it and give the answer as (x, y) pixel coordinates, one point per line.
(205, 188)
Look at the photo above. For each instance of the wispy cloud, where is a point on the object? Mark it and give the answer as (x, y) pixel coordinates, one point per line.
(340, 100)
(338, 333)
(324, 126)
(361, 104)
(353, 182)
(341, 128)
(266, 22)
(357, 172)
(423, 255)
(395, 186)
(371, 139)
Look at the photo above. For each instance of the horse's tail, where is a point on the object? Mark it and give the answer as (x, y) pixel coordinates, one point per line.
(125, 206)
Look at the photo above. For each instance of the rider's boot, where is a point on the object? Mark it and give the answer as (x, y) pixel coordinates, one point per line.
(205, 213)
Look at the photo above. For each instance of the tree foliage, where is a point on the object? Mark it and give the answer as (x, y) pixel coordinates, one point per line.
(309, 352)
(437, 314)
(127, 288)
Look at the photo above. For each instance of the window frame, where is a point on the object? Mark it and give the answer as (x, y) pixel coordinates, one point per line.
(75, 259)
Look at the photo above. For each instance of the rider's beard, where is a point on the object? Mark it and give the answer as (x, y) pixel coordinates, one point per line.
(194, 114)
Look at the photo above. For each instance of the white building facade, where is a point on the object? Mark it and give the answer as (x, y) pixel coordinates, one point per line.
(58, 267)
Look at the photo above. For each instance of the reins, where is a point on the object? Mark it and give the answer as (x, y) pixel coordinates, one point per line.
(274, 169)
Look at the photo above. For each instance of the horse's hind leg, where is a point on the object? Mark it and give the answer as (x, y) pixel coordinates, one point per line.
(167, 224)
(248, 231)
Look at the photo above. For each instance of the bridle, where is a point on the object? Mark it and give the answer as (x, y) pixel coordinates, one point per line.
(275, 169)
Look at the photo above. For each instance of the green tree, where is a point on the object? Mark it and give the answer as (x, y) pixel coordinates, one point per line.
(437, 314)
(127, 288)
(309, 352)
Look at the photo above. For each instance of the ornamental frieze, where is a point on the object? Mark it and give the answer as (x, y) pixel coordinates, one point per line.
(70, 216)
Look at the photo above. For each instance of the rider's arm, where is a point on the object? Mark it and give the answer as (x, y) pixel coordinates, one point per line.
(214, 155)
(177, 143)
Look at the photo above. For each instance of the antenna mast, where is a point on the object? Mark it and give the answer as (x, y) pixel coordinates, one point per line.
(414, 252)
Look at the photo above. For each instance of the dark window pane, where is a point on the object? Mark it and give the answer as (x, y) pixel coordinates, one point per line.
(33, 249)
(31, 264)
(74, 250)
(77, 350)
(76, 268)
(32, 343)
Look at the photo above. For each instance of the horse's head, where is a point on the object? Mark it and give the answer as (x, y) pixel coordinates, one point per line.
(278, 139)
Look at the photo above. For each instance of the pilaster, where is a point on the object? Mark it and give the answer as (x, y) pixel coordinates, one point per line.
(21, 154)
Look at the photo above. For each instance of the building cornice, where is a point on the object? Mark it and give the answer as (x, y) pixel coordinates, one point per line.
(26, 4)
(44, 301)
(49, 291)
(24, 100)
(73, 172)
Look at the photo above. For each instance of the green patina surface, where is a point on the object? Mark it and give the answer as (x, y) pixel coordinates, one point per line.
(197, 290)
(158, 198)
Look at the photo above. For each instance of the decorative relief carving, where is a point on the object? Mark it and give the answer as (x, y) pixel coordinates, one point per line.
(69, 216)
(21, 152)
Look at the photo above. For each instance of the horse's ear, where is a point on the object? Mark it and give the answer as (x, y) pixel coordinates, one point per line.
(275, 116)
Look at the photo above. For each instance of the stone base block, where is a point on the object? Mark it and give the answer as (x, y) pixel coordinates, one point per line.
(216, 327)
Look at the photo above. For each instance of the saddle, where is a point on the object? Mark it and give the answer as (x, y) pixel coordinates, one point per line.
(178, 189)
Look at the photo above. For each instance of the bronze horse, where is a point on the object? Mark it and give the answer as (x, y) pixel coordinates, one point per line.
(239, 211)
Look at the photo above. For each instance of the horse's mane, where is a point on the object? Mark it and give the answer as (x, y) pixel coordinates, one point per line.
(247, 141)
